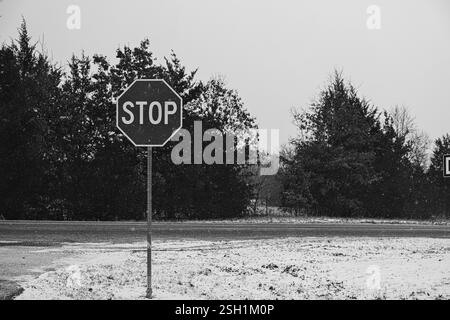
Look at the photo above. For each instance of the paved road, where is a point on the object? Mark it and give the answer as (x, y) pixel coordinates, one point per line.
(55, 232)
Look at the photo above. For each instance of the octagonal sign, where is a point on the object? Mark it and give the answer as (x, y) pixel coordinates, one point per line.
(149, 112)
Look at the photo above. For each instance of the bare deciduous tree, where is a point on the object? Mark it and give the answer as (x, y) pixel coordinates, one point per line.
(419, 142)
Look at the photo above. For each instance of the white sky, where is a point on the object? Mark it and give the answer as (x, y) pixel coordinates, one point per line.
(277, 54)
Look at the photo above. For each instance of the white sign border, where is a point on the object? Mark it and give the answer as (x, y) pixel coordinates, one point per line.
(444, 165)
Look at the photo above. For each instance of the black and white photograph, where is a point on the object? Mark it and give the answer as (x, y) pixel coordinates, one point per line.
(204, 153)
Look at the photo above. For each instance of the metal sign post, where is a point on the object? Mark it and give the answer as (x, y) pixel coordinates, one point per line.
(149, 222)
(149, 112)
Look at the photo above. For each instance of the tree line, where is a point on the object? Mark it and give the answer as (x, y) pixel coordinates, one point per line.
(351, 160)
(61, 156)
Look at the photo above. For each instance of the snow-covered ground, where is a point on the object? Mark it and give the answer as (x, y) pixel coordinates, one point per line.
(279, 218)
(289, 268)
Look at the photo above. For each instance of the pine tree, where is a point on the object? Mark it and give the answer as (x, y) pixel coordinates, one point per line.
(29, 89)
(440, 186)
(346, 161)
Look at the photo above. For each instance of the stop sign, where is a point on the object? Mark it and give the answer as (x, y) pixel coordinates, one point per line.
(149, 112)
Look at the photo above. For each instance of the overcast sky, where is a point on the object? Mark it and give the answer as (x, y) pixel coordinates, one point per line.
(277, 54)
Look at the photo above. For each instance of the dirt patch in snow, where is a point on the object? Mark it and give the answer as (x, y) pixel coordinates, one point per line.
(9, 289)
(290, 268)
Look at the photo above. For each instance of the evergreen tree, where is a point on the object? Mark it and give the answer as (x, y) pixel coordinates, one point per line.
(347, 161)
(29, 89)
(440, 186)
